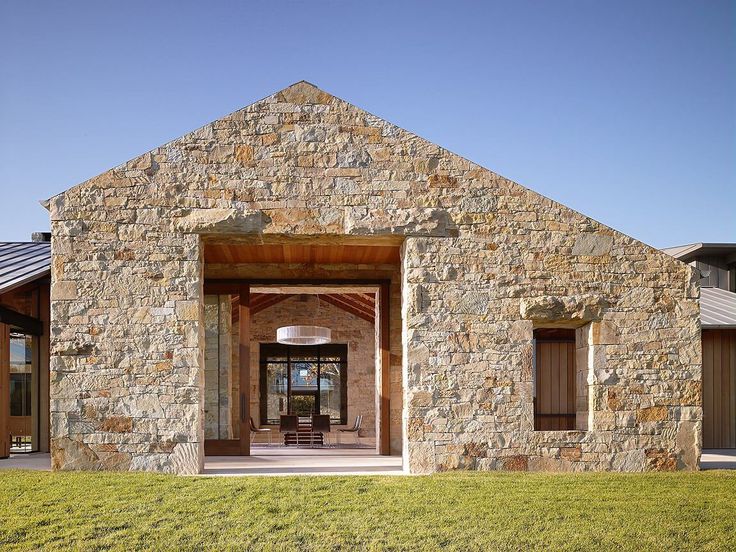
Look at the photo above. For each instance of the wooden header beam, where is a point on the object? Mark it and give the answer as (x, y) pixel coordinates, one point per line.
(26, 323)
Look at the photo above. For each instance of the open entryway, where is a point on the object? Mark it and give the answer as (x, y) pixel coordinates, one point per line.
(311, 405)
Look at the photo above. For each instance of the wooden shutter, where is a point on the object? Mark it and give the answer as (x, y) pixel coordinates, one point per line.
(719, 388)
(554, 407)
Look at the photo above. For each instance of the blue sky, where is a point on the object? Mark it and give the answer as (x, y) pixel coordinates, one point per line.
(625, 111)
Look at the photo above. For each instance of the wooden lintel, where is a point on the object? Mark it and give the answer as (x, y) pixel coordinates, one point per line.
(26, 323)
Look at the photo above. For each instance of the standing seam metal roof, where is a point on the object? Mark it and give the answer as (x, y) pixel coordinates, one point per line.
(717, 308)
(23, 262)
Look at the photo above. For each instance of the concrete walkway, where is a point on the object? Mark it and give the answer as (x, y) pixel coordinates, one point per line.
(39, 461)
(266, 461)
(303, 461)
(306, 461)
(718, 459)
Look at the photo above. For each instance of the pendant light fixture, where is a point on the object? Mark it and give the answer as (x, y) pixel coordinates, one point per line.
(304, 334)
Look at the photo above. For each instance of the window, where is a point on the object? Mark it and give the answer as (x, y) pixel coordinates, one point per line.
(303, 381)
(21, 373)
(554, 379)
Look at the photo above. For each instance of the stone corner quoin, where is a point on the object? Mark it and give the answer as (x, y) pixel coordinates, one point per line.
(484, 261)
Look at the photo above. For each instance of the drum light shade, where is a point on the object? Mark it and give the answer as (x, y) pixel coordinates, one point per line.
(303, 335)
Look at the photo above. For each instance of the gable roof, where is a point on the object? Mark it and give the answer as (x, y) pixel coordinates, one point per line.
(23, 262)
(307, 94)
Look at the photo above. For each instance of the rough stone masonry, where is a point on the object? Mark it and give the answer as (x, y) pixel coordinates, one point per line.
(484, 262)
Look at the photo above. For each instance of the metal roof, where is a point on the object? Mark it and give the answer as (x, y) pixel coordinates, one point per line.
(717, 308)
(23, 262)
(689, 251)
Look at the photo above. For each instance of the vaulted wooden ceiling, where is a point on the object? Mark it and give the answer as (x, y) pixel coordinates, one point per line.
(219, 253)
(362, 305)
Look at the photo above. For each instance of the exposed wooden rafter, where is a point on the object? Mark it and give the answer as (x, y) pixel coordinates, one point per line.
(347, 303)
(362, 305)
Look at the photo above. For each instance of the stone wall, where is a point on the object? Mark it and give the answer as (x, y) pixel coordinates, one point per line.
(484, 261)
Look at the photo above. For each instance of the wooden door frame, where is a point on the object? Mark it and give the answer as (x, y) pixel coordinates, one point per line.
(232, 286)
(240, 446)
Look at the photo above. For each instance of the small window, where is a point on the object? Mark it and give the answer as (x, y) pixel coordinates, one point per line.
(554, 379)
(21, 373)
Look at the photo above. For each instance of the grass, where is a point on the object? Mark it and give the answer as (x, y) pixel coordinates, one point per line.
(465, 511)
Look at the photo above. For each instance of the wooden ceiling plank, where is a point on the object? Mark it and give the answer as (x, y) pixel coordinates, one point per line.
(299, 252)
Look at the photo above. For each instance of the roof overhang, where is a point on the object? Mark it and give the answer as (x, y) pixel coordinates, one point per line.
(687, 253)
(22, 263)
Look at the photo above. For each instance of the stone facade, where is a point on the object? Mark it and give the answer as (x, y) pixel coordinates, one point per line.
(484, 262)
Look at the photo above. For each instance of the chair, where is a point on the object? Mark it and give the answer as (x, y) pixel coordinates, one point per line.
(289, 423)
(254, 432)
(355, 430)
(321, 425)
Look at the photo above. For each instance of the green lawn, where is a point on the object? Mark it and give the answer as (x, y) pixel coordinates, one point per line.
(465, 511)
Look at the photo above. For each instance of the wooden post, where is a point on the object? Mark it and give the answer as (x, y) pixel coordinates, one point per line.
(244, 362)
(4, 390)
(384, 446)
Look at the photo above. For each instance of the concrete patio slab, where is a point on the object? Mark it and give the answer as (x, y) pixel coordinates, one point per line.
(304, 461)
(39, 461)
(266, 461)
(718, 459)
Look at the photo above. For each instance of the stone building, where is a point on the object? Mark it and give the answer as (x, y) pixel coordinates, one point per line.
(508, 332)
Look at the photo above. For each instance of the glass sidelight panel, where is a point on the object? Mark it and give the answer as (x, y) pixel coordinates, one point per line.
(22, 392)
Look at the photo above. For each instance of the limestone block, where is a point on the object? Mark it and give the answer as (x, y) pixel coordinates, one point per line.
(406, 222)
(64, 290)
(651, 414)
(591, 244)
(581, 308)
(222, 221)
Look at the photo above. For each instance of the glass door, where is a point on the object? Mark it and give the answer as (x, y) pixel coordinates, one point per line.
(22, 391)
(303, 380)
